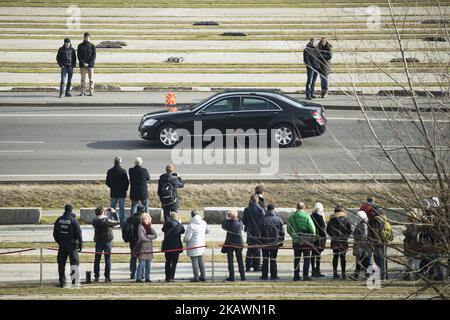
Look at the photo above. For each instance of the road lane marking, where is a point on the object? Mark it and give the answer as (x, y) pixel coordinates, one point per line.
(25, 142)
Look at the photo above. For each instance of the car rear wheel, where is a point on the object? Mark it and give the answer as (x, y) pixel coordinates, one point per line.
(284, 136)
(168, 136)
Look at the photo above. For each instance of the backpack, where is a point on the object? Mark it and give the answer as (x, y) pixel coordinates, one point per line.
(127, 232)
(167, 195)
(386, 234)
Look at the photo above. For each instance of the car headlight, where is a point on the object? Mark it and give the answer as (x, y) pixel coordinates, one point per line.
(149, 122)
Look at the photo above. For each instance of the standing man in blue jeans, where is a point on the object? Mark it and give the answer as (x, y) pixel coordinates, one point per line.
(117, 181)
(139, 180)
(103, 238)
(67, 60)
(311, 60)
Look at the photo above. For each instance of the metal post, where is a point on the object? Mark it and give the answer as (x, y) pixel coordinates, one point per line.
(212, 262)
(40, 277)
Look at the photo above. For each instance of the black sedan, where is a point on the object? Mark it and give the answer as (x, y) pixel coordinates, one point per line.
(290, 119)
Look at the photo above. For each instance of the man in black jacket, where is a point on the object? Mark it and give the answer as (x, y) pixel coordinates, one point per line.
(325, 55)
(134, 220)
(233, 243)
(168, 184)
(173, 229)
(67, 60)
(253, 214)
(86, 57)
(139, 179)
(117, 181)
(103, 238)
(272, 235)
(311, 60)
(67, 234)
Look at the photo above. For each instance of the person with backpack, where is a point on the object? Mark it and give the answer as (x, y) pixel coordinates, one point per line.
(339, 229)
(251, 218)
(130, 235)
(139, 180)
(144, 247)
(361, 247)
(233, 243)
(195, 242)
(173, 229)
(118, 183)
(67, 233)
(380, 233)
(103, 238)
(168, 184)
(321, 239)
(301, 228)
(272, 234)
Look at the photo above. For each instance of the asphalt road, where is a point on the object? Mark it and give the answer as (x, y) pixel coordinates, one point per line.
(70, 143)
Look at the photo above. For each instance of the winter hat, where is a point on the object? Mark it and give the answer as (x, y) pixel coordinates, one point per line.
(67, 40)
(318, 207)
(362, 215)
(140, 209)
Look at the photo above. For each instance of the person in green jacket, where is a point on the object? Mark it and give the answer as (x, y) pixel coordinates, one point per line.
(301, 228)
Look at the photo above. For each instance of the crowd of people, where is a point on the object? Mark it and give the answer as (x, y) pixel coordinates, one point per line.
(264, 228)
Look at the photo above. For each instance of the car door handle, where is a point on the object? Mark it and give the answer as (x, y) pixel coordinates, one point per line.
(230, 115)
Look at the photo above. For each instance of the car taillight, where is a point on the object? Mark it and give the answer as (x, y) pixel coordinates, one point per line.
(318, 117)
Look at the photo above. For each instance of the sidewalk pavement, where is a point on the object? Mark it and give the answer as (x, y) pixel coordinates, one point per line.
(157, 99)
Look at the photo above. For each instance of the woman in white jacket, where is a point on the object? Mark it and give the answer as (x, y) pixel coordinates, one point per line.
(195, 237)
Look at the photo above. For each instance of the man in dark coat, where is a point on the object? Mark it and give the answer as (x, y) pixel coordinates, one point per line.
(339, 229)
(233, 243)
(139, 179)
(168, 184)
(67, 60)
(173, 229)
(251, 218)
(311, 60)
(67, 233)
(86, 57)
(135, 221)
(325, 55)
(272, 234)
(117, 181)
(321, 240)
(103, 237)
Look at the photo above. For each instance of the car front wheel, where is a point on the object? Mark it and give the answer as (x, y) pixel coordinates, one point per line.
(168, 136)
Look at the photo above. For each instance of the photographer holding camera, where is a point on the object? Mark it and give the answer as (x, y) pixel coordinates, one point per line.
(103, 237)
(168, 184)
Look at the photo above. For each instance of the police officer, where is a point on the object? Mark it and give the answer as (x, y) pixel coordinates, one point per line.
(67, 233)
